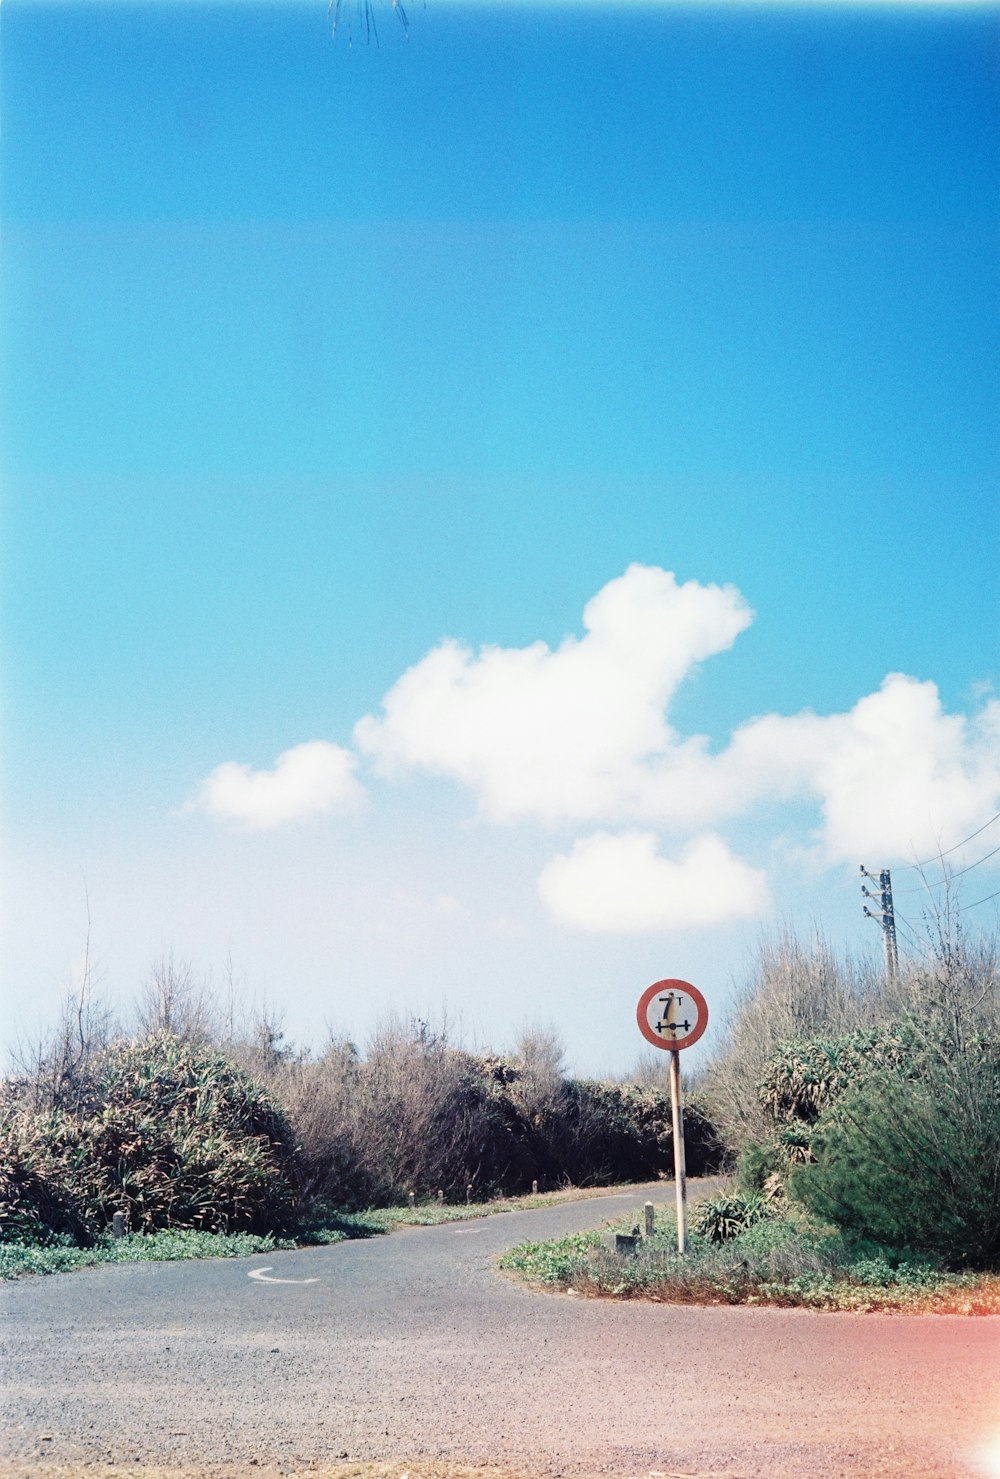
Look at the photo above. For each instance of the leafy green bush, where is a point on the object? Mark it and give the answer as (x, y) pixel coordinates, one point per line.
(759, 1163)
(802, 1078)
(911, 1156)
(177, 1137)
(720, 1218)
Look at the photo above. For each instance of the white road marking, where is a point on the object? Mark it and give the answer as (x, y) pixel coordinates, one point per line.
(262, 1273)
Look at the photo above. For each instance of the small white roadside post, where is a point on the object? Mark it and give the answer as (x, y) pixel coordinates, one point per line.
(672, 1015)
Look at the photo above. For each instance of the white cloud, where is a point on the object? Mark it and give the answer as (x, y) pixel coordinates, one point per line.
(894, 777)
(581, 733)
(899, 777)
(620, 883)
(563, 733)
(308, 780)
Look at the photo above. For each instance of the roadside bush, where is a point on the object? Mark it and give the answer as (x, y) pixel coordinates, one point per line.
(415, 1113)
(801, 1079)
(256, 1137)
(38, 1201)
(760, 1164)
(910, 1157)
(178, 1137)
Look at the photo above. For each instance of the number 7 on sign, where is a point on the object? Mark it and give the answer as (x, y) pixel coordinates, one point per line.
(669, 1017)
(672, 1014)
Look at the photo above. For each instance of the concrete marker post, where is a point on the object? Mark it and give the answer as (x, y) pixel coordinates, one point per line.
(648, 1209)
(118, 1225)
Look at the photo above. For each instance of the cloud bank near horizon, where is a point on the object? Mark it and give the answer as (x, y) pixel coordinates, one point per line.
(579, 735)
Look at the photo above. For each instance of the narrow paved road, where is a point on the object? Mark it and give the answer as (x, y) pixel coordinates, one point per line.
(412, 1348)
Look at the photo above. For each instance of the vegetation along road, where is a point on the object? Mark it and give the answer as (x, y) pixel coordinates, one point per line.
(412, 1348)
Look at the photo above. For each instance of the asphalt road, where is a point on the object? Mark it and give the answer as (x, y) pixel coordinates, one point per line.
(411, 1348)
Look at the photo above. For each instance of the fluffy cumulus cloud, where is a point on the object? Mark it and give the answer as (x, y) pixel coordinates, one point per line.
(622, 883)
(563, 733)
(308, 780)
(579, 735)
(896, 776)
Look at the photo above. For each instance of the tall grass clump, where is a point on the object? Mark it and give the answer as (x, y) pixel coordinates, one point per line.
(167, 1131)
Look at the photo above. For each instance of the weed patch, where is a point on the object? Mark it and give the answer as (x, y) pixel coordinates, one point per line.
(17, 1259)
(786, 1260)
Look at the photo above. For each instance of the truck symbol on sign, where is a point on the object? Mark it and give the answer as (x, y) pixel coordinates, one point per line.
(669, 1017)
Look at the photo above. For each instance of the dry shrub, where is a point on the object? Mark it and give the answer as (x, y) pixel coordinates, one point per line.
(793, 992)
(417, 1114)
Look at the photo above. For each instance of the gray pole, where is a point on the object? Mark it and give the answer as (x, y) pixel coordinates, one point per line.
(885, 917)
(678, 1137)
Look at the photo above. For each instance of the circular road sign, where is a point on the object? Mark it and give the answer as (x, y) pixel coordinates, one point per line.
(672, 1014)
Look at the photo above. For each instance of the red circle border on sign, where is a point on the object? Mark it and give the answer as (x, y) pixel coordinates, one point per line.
(654, 1038)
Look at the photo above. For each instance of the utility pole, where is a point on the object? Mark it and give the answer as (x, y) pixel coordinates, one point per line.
(885, 917)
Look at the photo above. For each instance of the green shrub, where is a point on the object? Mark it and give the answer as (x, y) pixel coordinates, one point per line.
(758, 1164)
(720, 1218)
(802, 1078)
(178, 1137)
(911, 1156)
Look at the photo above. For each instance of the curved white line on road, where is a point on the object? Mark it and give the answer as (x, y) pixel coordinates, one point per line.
(262, 1273)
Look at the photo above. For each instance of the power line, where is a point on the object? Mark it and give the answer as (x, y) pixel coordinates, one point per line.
(978, 902)
(948, 877)
(975, 865)
(906, 867)
(908, 931)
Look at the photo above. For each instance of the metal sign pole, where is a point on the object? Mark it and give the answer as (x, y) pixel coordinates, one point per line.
(672, 1015)
(680, 1178)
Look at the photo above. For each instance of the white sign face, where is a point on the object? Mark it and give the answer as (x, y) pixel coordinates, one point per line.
(672, 1014)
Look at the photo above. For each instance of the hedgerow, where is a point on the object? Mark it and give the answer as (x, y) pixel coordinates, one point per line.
(177, 1133)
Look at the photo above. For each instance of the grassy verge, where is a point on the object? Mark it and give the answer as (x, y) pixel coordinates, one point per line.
(17, 1259)
(787, 1260)
(326, 1225)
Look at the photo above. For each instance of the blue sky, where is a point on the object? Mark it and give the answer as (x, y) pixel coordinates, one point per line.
(319, 356)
